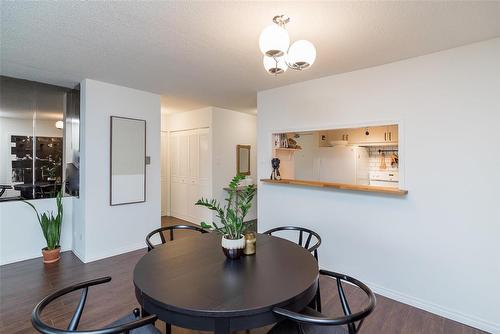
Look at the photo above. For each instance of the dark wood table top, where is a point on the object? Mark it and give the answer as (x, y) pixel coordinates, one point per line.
(192, 276)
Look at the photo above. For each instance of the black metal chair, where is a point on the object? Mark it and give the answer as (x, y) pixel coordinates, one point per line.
(310, 321)
(303, 233)
(171, 230)
(305, 238)
(131, 323)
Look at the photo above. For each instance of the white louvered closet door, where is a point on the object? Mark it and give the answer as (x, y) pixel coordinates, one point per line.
(165, 197)
(190, 173)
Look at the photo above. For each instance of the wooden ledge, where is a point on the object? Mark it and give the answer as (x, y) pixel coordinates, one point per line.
(342, 186)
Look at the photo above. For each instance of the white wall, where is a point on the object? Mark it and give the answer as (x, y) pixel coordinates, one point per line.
(102, 230)
(231, 128)
(438, 248)
(189, 120)
(21, 237)
(228, 129)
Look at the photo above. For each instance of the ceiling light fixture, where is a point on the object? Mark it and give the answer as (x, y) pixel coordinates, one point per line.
(276, 65)
(274, 43)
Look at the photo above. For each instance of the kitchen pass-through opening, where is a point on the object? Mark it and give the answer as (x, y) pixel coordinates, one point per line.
(364, 156)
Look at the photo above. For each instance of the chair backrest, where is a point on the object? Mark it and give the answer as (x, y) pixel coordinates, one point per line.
(44, 328)
(353, 321)
(160, 231)
(305, 237)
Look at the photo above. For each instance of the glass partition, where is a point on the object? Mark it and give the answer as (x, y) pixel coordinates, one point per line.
(32, 139)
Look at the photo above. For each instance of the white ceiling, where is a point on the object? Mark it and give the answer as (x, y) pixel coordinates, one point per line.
(206, 53)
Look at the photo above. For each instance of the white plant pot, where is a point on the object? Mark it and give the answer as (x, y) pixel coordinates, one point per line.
(233, 249)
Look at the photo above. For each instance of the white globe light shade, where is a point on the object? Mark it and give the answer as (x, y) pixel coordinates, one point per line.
(301, 55)
(59, 124)
(275, 65)
(274, 41)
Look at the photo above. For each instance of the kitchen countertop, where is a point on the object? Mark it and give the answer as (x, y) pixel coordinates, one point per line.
(342, 186)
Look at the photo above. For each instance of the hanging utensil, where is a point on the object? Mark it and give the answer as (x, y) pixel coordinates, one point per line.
(382, 161)
(394, 160)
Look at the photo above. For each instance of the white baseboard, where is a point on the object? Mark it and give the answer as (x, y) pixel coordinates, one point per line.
(472, 321)
(27, 257)
(187, 218)
(78, 255)
(114, 252)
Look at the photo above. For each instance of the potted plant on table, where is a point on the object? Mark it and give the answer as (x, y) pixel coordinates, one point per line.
(51, 228)
(231, 226)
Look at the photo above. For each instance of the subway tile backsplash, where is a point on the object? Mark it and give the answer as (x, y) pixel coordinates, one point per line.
(375, 158)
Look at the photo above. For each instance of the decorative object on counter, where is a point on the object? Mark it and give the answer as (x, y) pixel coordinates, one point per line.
(275, 163)
(280, 140)
(232, 225)
(292, 143)
(51, 229)
(250, 243)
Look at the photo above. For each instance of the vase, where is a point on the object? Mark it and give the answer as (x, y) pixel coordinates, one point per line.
(233, 248)
(250, 241)
(51, 255)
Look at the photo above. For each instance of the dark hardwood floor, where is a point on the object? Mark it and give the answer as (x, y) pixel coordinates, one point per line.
(23, 284)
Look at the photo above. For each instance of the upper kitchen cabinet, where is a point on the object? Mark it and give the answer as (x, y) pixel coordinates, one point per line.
(374, 135)
(364, 136)
(392, 133)
(339, 134)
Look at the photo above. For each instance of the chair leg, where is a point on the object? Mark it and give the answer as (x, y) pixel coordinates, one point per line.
(318, 299)
(168, 328)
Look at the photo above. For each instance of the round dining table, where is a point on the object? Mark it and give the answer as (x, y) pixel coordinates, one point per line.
(189, 283)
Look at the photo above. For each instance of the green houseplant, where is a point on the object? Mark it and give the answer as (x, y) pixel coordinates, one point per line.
(51, 229)
(231, 216)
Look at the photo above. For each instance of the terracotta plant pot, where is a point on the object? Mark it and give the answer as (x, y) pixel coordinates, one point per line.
(233, 248)
(51, 255)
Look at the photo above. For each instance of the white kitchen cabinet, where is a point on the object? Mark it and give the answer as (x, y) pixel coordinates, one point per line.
(377, 134)
(392, 133)
(356, 135)
(190, 173)
(323, 139)
(339, 134)
(373, 135)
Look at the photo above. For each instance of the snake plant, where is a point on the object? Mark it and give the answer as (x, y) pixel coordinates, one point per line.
(232, 214)
(50, 224)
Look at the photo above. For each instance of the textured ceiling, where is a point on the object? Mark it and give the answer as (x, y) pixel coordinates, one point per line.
(206, 53)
